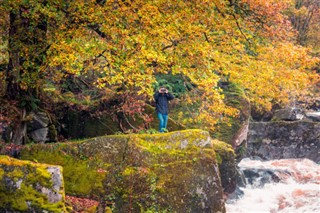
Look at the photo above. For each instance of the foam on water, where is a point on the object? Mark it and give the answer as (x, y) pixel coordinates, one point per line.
(297, 192)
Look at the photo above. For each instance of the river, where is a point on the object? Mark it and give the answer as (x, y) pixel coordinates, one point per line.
(284, 186)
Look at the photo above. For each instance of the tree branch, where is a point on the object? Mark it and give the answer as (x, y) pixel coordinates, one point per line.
(238, 25)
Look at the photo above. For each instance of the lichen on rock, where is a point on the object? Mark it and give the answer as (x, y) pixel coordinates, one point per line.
(227, 165)
(173, 172)
(30, 187)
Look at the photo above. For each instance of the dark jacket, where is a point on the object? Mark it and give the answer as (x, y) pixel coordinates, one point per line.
(162, 104)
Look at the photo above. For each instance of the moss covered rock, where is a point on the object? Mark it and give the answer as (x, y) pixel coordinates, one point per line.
(30, 187)
(235, 132)
(227, 165)
(171, 172)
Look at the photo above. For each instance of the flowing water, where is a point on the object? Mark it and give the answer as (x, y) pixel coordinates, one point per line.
(284, 186)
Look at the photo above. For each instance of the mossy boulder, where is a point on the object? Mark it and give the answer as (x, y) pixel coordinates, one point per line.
(30, 187)
(169, 172)
(225, 156)
(235, 132)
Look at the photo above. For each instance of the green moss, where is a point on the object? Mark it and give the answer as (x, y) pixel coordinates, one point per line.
(81, 174)
(52, 133)
(224, 152)
(235, 97)
(222, 146)
(23, 194)
(168, 168)
(16, 174)
(108, 210)
(226, 160)
(227, 131)
(27, 193)
(138, 172)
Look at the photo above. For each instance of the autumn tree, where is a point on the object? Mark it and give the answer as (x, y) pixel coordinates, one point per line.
(119, 47)
(276, 70)
(27, 46)
(304, 17)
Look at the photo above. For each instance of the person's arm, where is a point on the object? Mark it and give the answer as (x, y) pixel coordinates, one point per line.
(156, 96)
(169, 96)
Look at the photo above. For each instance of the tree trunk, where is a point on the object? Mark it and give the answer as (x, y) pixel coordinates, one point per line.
(27, 47)
(13, 70)
(302, 22)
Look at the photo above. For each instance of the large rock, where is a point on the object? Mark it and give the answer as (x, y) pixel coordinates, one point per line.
(235, 131)
(277, 140)
(288, 114)
(30, 187)
(36, 127)
(174, 172)
(227, 165)
(313, 116)
(40, 128)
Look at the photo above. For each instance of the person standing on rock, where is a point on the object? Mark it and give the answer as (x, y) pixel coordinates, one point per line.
(162, 98)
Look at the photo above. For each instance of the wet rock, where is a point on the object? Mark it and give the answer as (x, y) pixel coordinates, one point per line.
(233, 197)
(259, 177)
(313, 116)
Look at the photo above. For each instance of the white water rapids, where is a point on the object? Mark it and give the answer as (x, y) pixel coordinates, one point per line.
(296, 190)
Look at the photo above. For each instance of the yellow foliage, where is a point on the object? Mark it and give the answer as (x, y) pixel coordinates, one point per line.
(126, 43)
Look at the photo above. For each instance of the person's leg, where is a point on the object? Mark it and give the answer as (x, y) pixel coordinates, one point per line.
(165, 121)
(161, 122)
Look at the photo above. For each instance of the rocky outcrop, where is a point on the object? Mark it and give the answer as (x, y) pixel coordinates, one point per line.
(30, 187)
(175, 172)
(235, 131)
(277, 140)
(288, 114)
(227, 165)
(36, 126)
(40, 128)
(313, 116)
